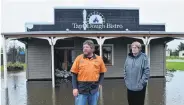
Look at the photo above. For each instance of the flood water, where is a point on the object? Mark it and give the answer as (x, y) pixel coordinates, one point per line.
(161, 91)
(175, 60)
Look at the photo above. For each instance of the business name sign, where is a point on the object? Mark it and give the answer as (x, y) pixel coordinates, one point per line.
(95, 20)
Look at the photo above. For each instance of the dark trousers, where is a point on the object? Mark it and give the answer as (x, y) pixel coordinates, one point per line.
(136, 97)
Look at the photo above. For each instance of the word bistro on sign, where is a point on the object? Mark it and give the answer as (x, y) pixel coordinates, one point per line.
(96, 26)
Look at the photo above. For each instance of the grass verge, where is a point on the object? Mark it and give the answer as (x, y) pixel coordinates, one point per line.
(2, 68)
(175, 66)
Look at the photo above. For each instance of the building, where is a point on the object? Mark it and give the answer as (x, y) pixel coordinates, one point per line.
(168, 53)
(55, 45)
(181, 54)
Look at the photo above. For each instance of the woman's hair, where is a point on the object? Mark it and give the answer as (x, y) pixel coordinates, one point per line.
(90, 43)
(137, 44)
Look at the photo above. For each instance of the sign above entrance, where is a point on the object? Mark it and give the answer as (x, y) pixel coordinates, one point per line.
(91, 19)
(95, 20)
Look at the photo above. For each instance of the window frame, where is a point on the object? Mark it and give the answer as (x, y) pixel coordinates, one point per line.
(111, 45)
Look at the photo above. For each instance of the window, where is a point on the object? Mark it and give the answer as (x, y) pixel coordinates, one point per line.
(107, 53)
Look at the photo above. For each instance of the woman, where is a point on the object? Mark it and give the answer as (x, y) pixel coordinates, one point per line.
(136, 75)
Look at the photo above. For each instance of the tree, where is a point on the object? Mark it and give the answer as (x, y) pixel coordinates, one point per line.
(181, 46)
(20, 49)
(12, 52)
(170, 50)
(175, 52)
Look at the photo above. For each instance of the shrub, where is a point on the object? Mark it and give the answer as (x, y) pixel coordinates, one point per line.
(15, 66)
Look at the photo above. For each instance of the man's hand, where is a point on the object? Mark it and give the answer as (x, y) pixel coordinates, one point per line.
(75, 92)
(100, 86)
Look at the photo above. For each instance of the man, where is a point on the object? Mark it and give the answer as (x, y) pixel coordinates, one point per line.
(136, 75)
(88, 74)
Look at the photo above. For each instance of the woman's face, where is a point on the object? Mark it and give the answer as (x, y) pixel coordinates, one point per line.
(135, 49)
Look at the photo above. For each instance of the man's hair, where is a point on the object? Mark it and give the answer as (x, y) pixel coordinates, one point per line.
(90, 43)
(137, 44)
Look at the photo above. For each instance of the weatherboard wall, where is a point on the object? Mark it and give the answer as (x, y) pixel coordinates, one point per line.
(39, 57)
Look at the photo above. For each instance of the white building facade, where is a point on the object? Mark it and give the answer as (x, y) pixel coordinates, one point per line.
(181, 54)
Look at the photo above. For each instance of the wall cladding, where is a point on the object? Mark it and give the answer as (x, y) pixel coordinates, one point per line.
(112, 20)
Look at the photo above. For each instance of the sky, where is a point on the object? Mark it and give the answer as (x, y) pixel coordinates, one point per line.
(15, 13)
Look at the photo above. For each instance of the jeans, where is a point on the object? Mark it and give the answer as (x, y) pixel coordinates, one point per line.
(82, 99)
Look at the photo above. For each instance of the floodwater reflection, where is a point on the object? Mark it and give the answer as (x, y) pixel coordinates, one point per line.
(6, 96)
(113, 92)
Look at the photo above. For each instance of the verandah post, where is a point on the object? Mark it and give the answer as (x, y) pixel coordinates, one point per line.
(5, 62)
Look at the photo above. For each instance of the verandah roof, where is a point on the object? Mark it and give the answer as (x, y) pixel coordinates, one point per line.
(94, 33)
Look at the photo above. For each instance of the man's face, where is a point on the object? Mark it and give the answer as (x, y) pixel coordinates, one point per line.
(135, 49)
(87, 49)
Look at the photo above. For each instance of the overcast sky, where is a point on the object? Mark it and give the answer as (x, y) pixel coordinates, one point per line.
(15, 13)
